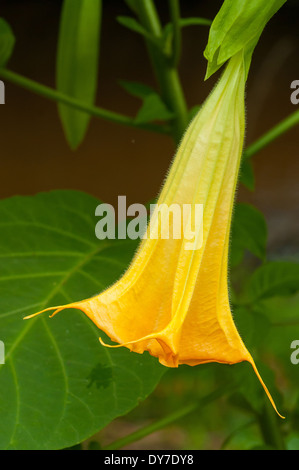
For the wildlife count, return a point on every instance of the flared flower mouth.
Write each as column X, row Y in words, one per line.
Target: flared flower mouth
column 173, row 301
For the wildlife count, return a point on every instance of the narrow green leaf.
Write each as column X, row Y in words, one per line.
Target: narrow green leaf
column 132, row 24
column 276, row 278
column 132, row 4
column 135, row 26
column 58, row 385
column 183, row 22
column 7, row 42
column 153, row 109
column 249, row 232
column 140, row 90
column 77, row 62
column 194, row 22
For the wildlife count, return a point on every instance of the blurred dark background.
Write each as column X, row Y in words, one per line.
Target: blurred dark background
column 115, row 160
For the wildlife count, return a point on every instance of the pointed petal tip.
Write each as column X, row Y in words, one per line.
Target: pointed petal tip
column 167, row 357
column 251, row 361
column 111, row 346
column 39, row 313
column 56, row 309
column 134, row 345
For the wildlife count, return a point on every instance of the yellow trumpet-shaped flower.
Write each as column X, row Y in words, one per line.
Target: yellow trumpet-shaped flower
column 174, row 302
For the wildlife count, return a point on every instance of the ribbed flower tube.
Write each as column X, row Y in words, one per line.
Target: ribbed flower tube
column 174, row 301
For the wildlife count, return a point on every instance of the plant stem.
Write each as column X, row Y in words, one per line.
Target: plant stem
column 171, row 418
column 54, row 95
column 166, row 73
column 151, row 428
column 174, row 8
column 270, row 429
column 272, row 135
column 235, row 432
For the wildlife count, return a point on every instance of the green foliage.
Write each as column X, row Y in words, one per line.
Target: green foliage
column 140, row 90
column 237, row 26
column 153, row 108
column 168, row 31
column 276, row 278
column 132, row 4
column 249, row 232
column 249, row 395
column 7, row 42
column 135, row 26
column 59, row 385
column 165, row 41
column 77, row 62
column 247, row 174
column 183, row 22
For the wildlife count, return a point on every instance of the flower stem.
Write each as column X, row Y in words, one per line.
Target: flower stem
column 165, row 71
column 174, row 8
column 171, row 418
column 272, row 135
column 151, row 428
column 57, row 96
column 270, row 429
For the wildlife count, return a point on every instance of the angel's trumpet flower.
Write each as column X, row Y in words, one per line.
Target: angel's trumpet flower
column 173, row 302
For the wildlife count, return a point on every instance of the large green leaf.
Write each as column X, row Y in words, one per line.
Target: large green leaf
column 77, row 62
column 58, row 385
